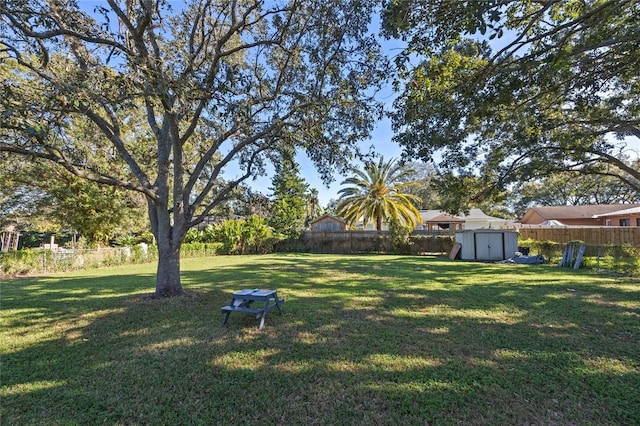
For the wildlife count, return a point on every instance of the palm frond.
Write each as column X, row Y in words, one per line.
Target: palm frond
column 377, row 194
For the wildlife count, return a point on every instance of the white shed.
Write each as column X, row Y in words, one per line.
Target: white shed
column 487, row 244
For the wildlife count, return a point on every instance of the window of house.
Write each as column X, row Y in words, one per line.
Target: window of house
column 625, row 222
column 608, row 223
column 638, row 221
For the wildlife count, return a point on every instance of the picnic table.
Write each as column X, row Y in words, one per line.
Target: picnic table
column 242, row 301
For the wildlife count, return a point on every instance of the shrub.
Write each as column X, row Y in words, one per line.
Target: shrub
column 243, row 236
column 623, row 259
column 194, row 236
column 400, row 236
column 551, row 250
column 256, row 236
column 18, row 262
column 626, row 259
column 200, row 249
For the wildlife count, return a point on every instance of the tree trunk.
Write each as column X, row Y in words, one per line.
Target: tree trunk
column 168, row 282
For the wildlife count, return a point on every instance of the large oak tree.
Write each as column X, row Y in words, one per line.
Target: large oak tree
column 218, row 84
column 507, row 91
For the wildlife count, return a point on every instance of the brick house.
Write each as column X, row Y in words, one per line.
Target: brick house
column 626, row 217
column 587, row 215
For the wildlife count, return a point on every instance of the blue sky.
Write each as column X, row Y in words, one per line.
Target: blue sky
column 380, row 139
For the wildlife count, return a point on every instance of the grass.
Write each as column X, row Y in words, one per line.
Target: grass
column 364, row 340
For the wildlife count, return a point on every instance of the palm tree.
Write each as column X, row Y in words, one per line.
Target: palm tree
column 377, row 194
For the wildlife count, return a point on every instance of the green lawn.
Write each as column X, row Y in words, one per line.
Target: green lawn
column 364, row 340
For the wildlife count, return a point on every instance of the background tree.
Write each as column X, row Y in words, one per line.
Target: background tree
column 217, row 83
column 20, row 203
column 312, row 208
column 423, row 177
column 378, row 194
column 41, row 197
column 249, row 202
column 557, row 83
column 290, row 196
column 332, row 206
column 459, row 192
column 96, row 212
column 442, row 191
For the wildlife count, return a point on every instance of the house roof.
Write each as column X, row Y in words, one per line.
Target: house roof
column 445, row 218
column 479, row 214
column 442, row 217
column 328, row 216
column 552, row 222
column 574, row 212
column 633, row 210
column 427, row 215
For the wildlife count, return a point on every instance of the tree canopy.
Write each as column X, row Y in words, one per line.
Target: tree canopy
column 43, row 197
column 379, row 193
column 513, row 90
column 570, row 189
column 38, row 195
column 219, row 85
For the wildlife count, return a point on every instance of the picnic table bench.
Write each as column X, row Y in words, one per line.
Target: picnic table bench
column 241, row 301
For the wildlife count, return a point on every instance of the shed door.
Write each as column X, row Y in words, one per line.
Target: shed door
column 489, row 246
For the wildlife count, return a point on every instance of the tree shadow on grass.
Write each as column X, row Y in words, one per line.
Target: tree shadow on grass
column 365, row 339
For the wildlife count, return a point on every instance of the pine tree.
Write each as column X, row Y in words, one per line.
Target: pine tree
column 290, row 196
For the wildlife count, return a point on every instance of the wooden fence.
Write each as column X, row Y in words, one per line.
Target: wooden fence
column 345, row 242
column 600, row 235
